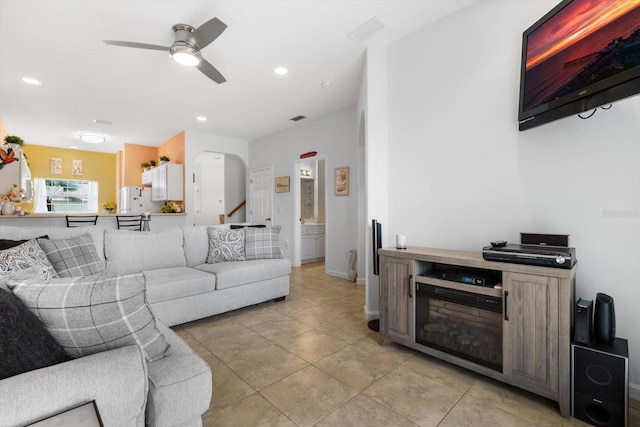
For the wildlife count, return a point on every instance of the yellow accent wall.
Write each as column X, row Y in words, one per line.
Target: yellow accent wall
column 100, row 167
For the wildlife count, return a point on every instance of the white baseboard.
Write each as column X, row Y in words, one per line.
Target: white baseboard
column 342, row 275
column 634, row 391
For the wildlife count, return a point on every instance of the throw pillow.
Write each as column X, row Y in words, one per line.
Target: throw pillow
column 33, row 272
column 25, row 344
column 73, row 257
column 262, row 243
column 225, row 245
column 6, row 244
column 91, row 314
column 24, row 256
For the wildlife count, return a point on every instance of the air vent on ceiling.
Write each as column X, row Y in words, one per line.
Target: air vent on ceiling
column 366, row 30
column 102, row 121
column 297, row 118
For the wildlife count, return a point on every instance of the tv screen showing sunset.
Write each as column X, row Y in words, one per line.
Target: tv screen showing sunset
column 586, row 42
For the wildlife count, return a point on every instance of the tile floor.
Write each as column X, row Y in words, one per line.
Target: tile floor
column 312, row 361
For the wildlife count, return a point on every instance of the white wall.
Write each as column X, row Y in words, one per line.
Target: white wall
column 209, row 184
column 461, row 174
column 235, row 187
column 197, row 143
column 332, row 136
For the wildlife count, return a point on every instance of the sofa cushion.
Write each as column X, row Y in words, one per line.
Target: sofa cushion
column 238, row 273
column 179, row 385
column 25, row 344
column 196, row 244
column 176, row 282
column 24, row 256
column 132, row 252
column 90, row 314
column 225, row 245
column 16, row 233
column 262, row 243
column 73, row 257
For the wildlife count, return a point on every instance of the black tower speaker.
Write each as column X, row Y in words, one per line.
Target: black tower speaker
column 604, row 319
column 583, row 332
column 600, row 383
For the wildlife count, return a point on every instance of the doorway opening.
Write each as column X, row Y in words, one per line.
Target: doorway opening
column 310, row 211
column 219, row 189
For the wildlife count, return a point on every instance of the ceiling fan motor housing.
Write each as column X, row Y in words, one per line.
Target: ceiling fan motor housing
column 185, row 41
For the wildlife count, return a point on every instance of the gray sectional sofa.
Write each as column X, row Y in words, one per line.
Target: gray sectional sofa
column 180, row 287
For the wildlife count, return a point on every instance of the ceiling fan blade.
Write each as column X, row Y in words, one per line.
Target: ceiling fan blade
column 136, row 45
column 210, row 71
column 208, row 32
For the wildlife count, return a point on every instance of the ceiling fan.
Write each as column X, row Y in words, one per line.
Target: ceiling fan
column 186, row 48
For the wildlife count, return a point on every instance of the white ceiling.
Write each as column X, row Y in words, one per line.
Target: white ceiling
column 150, row 98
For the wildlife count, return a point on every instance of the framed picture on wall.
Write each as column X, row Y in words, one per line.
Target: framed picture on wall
column 76, row 167
column 282, row 184
column 56, row 166
column 341, row 181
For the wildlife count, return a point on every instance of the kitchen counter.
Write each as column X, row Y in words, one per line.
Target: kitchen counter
column 159, row 221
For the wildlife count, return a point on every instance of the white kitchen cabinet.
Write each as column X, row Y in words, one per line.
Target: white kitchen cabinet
column 147, row 177
column 167, row 182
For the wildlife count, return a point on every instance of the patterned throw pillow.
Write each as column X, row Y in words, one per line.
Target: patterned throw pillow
column 73, row 257
column 25, row 344
column 262, row 243
column 24, row 256
column 225, row 245
column 91, row 314
column 6, row 244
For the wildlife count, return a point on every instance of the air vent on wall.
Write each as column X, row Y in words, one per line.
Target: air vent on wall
column 297, row 118
column 366, row 30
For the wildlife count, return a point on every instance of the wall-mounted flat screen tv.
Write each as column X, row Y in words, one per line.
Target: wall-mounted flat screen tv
column 581, row 55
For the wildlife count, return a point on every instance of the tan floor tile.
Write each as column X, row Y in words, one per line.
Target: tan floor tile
column 255, row 317
column 318, row 315
column 230, row 347
column 216, row 327
column 290, row 306
column 371, row 343
column 448, row 374
column 416, row 396
column 574, row 422
column 346, row 330
column 356, row 367
column 313, row 345
column 266, row 366
column 254, row 411
column 473, row 412
column 228, row 388
column 362, row 411
column 308, row 395
column 317, row 297
column 281, row 329
column 518, row 402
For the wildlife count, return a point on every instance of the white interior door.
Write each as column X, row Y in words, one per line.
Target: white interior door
column 261, row 188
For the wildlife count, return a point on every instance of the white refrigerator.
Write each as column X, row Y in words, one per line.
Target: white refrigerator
column 135, row 200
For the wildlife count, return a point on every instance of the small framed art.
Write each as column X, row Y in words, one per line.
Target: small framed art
column 341, row 181
column 282, row 184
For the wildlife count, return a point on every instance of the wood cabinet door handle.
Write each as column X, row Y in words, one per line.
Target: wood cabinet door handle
column 410, row 282
column 506, row 312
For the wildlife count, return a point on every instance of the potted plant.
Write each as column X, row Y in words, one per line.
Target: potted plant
column 152, row 163
column 108, row 206
column 145, row 165
column 12, row 139
column 164, row 159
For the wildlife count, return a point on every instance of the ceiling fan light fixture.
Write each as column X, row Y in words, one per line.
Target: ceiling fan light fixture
column 92, row 138
column 185, row 55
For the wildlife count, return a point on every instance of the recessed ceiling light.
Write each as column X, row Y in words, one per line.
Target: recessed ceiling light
column 31, row 81
column 75, row 147
column 201, row 118
column 92, row 138
column 281, row 71
column 326, row 84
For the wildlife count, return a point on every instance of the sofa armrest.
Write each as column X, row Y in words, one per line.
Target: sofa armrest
column 115, row 379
